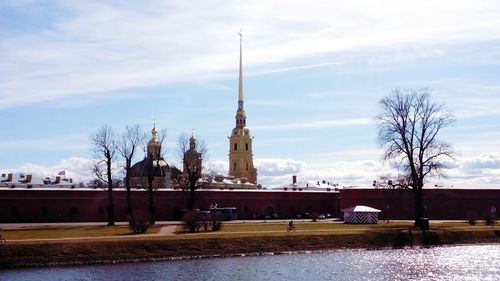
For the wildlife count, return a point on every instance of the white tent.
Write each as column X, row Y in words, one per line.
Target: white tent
column 360, row 214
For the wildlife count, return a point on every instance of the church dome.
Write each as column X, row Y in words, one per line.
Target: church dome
column 140, row 169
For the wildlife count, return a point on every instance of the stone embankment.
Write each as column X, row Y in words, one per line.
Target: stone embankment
column 106, row 251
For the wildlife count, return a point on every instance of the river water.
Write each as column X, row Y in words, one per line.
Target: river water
column 470, row 262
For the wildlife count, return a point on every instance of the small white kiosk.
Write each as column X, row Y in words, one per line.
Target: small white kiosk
column 361, row 214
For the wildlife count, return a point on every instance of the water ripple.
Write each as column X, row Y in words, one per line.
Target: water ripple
column 471, row 262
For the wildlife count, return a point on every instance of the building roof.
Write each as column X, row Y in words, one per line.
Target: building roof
column 361, row 209
column 140, row 169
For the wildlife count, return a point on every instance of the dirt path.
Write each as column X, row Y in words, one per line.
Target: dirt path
column 167, row 230
column 164, row 231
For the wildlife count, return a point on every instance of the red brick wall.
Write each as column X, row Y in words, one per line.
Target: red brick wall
column 90, row 205
column 24, row 205
column 440, row 203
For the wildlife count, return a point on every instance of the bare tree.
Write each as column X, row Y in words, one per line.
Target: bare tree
column 104, row 149
column 408, row 127
column 191, row 154
column 153, row 168
column 129, row 142
column 390, row 181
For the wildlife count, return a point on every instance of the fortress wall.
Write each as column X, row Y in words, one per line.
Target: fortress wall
column 28, row 205
column 440, row 203
column 73, row 205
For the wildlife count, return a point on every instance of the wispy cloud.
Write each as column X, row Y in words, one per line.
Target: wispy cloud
column 317, row 124
column 97, row 47
column 270, row 70
column 59, row 143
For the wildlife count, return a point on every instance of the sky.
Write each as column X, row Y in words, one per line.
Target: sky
column 314, row 73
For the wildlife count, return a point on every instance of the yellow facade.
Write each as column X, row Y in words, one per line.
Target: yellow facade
column 241, row 156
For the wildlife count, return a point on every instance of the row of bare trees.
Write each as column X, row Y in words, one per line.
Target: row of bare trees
column 108, row 146
column 408, row 127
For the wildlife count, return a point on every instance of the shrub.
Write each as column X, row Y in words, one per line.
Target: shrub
column 215, row 221
column 192, row 220
column 472, row 218
column 138, row 222
column 314, row 216
column 139, row 226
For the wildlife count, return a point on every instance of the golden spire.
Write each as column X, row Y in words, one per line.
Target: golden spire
column 240, row 88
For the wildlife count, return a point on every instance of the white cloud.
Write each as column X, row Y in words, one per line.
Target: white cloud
column 481, row 171
column 279, row 172
column 77, row 168
column 97, row 47
column 218, row 166
column 276, row 167
column 476, row 171
column 318, row 124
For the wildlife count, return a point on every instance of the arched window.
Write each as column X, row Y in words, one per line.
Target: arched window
column 247, row 166
column 235, row 146
column 234, row 166
column 246, row 146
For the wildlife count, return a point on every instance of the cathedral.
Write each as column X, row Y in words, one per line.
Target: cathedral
column 242, row 174
column 153, row 166
column 240, row 141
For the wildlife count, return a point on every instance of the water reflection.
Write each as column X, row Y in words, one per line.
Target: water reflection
column 439, row 263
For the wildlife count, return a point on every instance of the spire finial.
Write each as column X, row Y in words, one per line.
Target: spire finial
column 154, row 132
column 240, row 86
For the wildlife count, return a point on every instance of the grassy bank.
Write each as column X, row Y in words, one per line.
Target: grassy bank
column 236, row 239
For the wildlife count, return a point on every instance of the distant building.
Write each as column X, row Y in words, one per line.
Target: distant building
column 240, row 141
column 153, row 166
column 192, row 159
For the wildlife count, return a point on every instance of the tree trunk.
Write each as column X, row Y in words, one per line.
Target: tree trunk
column 129, row 202
column 111, row 207
column 191, row 196
column 151, row 205
column 418, row 204
column 129, row 195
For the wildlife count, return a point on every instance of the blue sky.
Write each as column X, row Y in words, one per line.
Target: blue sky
column 313, row 76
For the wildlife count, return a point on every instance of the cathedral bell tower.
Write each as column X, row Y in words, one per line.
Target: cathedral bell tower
column 240, row 141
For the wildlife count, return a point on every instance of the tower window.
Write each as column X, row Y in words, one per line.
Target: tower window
column 247, row 166
column 235, row 146
column 246, row 146
column 234, row 166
